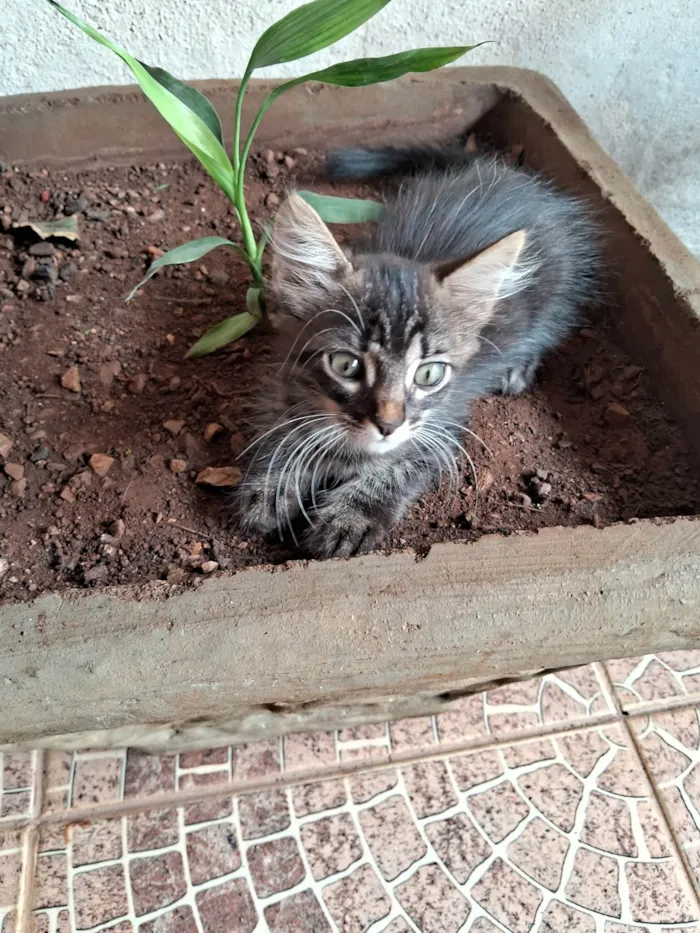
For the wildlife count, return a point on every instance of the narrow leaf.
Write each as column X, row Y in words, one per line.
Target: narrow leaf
column 223, row 333
column 253, row 299
column 364, row 71
column 343, row 210
column 309, row 28
column 188, row 252
column 187, row 111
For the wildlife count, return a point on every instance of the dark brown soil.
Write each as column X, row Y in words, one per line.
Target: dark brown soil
column 559, row 456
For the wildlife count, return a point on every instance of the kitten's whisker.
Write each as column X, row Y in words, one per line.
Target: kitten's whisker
column 287, row 470
column 277, row 427
column 452, row 440
column 301, row 463
column 450, row 460
column 320, row 456
column 310, row 340
column 355, row 306
column 469, row 431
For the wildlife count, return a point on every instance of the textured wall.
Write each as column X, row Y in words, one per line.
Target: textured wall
column 630, row 67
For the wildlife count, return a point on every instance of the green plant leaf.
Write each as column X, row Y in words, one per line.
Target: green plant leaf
column 223, row 333
column 253, row 301
column 188, row 252
column 309, row 28
column 343, row 210
column 187, row 111
column 364, row 71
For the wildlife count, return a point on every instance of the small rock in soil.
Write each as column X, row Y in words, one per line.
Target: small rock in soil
column 155, row 252
column 238, row 443
column 29, row 268
column 45, row 272
column 218, row 277
column 100, row 464
column 211, row 430
column 4, row 566
column 107, row 372
column 6, row 445
column 75, row 206
column 272, row 200
column 209, row 566
column 18, row 488
column 42, row 249
column 67, row 271
column 173, row 427
column 178, row 466
column 219, row 476
column 138, row 384
column 176, row 575
column 485, row 482
column 71, row 379
column 94, row 213
column 67, row 495
column 156, row 216
column 289, row 162
column 616, row 413
column 14, row 470
column 43, row 453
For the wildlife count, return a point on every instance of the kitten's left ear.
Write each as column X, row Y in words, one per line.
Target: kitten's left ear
column 481, row 282
column 306, row 258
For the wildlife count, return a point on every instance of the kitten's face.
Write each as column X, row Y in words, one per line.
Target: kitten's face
column 376, row 359
column 376, row 344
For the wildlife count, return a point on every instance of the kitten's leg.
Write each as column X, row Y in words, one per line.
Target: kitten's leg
column 270, row 495
column 359, row 514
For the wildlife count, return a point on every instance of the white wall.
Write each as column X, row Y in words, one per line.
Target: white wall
column 630, row 67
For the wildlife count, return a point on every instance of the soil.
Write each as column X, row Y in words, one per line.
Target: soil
column 109, row 425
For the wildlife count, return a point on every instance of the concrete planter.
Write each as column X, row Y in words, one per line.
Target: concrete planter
column 317, row 645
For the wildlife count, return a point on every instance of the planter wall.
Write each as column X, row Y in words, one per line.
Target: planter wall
column 318, row 645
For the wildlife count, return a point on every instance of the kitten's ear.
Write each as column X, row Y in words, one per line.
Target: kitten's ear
column 480, row 282
column 306, row 258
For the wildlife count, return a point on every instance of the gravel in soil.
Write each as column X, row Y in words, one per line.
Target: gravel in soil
column 105, row 428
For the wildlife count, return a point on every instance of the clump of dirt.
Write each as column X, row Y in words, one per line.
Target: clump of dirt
column 105, row 427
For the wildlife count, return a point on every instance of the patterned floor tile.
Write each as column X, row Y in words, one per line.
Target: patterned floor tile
column 10, row 871
column 16, row 782
column 656, row 678
column 551, row 835
column 670, row 745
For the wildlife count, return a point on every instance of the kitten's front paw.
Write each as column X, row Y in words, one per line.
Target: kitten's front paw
column 342, row 534
column 256, row 510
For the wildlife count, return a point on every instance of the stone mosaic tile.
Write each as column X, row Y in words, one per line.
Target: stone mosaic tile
column 16, row 781
column 669, row 742
column 548, row 835
column 658, row 679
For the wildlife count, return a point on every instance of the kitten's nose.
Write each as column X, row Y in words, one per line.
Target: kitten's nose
column 390, row 416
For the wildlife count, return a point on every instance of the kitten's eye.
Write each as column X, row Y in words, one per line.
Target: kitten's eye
column 429, row 375
column 345, row 365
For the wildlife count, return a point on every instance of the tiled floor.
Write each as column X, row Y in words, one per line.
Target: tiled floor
column 566, row 804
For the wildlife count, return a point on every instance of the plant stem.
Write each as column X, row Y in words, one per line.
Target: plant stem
column 237, row 118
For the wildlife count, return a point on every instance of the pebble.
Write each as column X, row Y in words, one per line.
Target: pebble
column 542, row 474
column 107, row 372
column 238, row 443
column 155, row 252
column 525, row 500
column 4, row 566
column 75, row 206
column 175, row 575
column 42, row 249
column 486, row 481
column 6, row 445
column 156, row 216
column 138, row 384
column 616, row 413
column 289, row 162
column 94, row 213
column 67, row 271
column 173, row 427
column 42, row 454
column 218, row 277
column 300, row 151
column 45, row 272
column 209, row 566
column 219, row 476
column 117, row 529
column 29, row 268
column 67, row 495
column 18, row 488
column 100, row 464
column 178, row 466
column 71, row 379
column 211, row 430
column 272, row 200
column 14, row 470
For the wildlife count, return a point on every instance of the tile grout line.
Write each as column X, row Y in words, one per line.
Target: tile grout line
column 339, row 770
column 679, row 856
column 30, row 848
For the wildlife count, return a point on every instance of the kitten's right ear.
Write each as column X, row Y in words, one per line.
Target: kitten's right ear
column 307, row 260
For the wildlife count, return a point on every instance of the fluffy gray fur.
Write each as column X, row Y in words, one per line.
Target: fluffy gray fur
column 475, row 271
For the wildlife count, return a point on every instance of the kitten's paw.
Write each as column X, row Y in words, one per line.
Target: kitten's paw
column 518, row 379
column 256, row 511
column 334, row 535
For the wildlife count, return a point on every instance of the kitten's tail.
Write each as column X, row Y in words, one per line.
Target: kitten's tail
column 342, row 164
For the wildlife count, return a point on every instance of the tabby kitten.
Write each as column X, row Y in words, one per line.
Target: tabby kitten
column 475, row 270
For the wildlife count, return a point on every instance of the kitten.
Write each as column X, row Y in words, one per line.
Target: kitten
column 475, row 270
